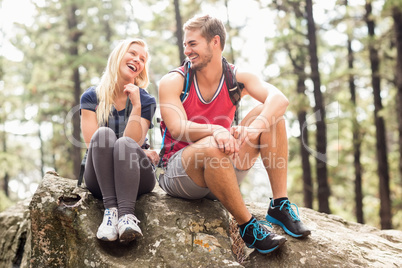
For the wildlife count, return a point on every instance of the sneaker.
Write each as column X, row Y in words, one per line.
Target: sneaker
column 256, row 235
column 107, row 231
column 128, row 228
column 285, row 217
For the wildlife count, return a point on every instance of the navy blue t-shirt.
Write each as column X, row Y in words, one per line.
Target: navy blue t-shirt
column 89, row 101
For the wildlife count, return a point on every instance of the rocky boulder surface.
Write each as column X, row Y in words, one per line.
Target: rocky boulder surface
column 58, row 229
column 15, row 236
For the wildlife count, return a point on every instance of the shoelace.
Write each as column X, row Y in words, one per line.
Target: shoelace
column 288, row 206
column 126, row 218
column 257, row 230
column 110, row 215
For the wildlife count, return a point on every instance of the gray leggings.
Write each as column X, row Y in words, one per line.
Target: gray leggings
column 117, row 171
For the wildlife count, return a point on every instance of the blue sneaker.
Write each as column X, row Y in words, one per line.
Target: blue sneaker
column 284, row 216
column 256, row 235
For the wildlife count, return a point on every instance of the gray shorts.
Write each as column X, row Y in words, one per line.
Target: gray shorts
column 175, row 181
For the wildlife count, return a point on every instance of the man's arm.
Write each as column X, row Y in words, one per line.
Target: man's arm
column 173, row 112
column 273, row 100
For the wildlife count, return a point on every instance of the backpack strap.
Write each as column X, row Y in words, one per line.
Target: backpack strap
column 82, row 169
column 127, row 111
column 233, row 86
column 188, row 74
column 188, row 80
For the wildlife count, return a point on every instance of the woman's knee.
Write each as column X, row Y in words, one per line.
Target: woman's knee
column 104, row 137
column 126, row 142
column 104, row 131
column 126, row 146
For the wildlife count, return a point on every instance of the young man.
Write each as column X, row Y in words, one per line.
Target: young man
column 209, row 158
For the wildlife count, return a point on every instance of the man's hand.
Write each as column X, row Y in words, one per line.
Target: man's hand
column 240, row 133
column 259, row 125
column 254, row 133
column 226, row 142
column 244, row 134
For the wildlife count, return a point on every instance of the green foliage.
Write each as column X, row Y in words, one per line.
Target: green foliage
column 5, row 202
column 47, row 49
column 390, row 5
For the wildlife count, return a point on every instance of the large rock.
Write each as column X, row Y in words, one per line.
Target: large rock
column 177, row 233
column 15, row 236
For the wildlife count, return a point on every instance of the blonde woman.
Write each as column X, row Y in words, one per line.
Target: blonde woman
column 115, row 118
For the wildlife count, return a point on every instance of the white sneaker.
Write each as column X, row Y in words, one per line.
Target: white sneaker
column 128, row 228
column 107, row 231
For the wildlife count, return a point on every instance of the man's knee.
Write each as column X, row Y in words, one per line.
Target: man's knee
column 252, row 115
column 207, row 146
column 203, row 152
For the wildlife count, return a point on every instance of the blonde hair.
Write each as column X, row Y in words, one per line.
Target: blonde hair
column 208, row 26
column 106, row 91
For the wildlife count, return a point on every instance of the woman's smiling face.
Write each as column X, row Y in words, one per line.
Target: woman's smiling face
column 133, row 62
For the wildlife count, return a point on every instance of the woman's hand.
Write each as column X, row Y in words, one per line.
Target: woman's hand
column 153, row 156
column 133, row 92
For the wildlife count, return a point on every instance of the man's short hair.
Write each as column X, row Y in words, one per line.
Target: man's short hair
column 208, row 26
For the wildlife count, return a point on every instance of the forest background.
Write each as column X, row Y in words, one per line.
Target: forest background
column 339, row 62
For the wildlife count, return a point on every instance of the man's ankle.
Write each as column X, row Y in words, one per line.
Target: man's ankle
column 277, row 201
column 242, row 226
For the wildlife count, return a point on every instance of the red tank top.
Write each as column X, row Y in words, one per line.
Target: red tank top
column 218, row 111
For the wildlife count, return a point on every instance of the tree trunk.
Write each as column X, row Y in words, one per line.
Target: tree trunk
column 305, row 154
column 307, row 180
column 74, row 36
column 5, row 185
column 319, row 110
column 42, row 154
column 356, row 139
column 6, row 176
column 231, row 53
column 397, row 15
column 385, row 206
column 179, row 30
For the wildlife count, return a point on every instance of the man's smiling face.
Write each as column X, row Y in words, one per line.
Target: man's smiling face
column 197, row 49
